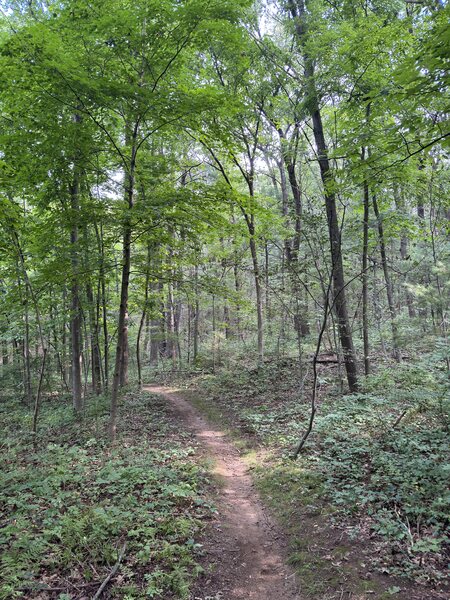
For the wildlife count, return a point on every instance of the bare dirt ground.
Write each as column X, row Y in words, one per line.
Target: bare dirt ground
column 244, row 545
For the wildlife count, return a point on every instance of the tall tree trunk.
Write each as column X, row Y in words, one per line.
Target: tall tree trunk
column 190, row 312
column 16, row 354
column 237, row 289
column 443, row 301
column 292, row 249
column 138, row 342
column 122, row 330
column 289, row 162
column 154, row 327
column 64, row 344
column 365, row 275
column 146, row 340
column 54, row 320
column 400, row 207
column 5, row 353
column 26, row 353
column 104, row 309
column 213, row 349
column 387, row 279
column 123, row 378
column 94, row 341
column 297, row 9
column 75, row 325
column 93, row 323
column 177, row 318
column 195, row 333
column 25, row 344
column 143, row 320
column 258, row 291
column 170, row 327
column 250, row 220
column 162, row 324
column 75, row 317
column 154, row 321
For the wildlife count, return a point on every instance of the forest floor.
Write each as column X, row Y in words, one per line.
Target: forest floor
column 77, row 514
column 245, row 551
column 199, row 497
column 278, row 510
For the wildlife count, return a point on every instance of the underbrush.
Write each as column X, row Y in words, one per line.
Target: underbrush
column 70, row 505
column 378, row 459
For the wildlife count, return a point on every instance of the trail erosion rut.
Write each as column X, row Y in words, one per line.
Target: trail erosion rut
column 245, row 546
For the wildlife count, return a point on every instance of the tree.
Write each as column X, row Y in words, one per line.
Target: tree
column 298, row 12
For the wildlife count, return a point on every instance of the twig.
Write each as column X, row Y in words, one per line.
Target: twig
column 314, row 363
column 111, row 573
column 397, row 421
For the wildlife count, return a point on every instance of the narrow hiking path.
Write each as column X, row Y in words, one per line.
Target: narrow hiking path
column 246, row 548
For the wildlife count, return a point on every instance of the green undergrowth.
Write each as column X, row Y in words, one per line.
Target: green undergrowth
column 70, row 504
column 376, row 463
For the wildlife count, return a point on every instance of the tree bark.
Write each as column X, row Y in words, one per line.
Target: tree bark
column 122, row 330
column 142, row 321
column 104, row 310
column 387, row 279
column 365, row 297
column 123, row 379
column 5, row 353
column 170, row 326
column 75, row 317
column 195, row 333
column 154, row 331
column 258, row 291
column 95, row 347
column 25, row 346
column 250, row 220
column 297, row 9
column 400, row 207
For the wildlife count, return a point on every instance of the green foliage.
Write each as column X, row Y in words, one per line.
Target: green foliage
column 68, row 506
column 187, row 125
column 380, row 457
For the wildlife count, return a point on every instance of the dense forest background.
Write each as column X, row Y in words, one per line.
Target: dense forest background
column 251, row 198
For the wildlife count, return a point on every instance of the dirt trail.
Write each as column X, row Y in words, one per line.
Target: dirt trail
column 245, row 545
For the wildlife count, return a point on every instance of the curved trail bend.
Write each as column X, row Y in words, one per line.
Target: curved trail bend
column 247, row 554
